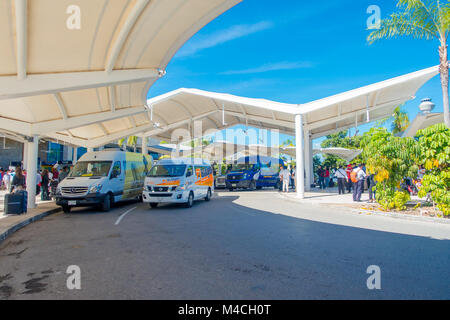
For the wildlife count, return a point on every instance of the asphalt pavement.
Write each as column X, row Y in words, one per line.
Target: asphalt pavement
column 241, row 245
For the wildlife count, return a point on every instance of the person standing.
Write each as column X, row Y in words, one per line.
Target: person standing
column 321, row 174
column 63, row 174
column 341, row 176
column 285, row 177
column 45, row 180
column 349, row 180
column 7, row 180
column 18, row 182
column 359, row 176
column 38, row 183
column 293, row 177
column 326, row 176
column 371, row 186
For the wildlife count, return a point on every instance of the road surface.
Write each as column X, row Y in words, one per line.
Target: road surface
column 243, row 245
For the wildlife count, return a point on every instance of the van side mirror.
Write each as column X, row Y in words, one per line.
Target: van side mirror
column 114, row 174
column 188, row 174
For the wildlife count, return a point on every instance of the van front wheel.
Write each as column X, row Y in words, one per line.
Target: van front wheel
column 66, row 209
column 153, row 204
column 106, row 205
column 208, row 195
column 190, row 201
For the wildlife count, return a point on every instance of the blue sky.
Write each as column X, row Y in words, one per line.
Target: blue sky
column 297, row 51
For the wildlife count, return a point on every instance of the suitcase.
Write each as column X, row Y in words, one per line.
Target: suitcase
column 16, row 203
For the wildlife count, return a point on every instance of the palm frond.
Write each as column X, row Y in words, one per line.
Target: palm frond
column 403, row 24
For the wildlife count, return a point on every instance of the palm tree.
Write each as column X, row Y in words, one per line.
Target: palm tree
column 130, row 141
column 421, row 19
column 400, row 121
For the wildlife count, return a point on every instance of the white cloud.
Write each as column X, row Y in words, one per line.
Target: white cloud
column 284, row 65
column 222, row 36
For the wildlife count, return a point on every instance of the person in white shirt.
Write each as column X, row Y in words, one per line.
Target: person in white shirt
column 7, row 180
column 358, row 188
column 341, row 176
column 285, row 177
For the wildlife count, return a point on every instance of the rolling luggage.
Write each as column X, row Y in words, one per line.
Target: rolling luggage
column 16, row 203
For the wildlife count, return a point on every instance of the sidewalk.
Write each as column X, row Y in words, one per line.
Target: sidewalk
column 330, row 197
column 11, row 223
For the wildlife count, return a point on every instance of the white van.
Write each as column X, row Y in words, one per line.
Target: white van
column 178, row 181
column 102, row 178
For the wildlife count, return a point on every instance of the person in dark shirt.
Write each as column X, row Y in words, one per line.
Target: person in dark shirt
column 44, row 185
column 18, row 182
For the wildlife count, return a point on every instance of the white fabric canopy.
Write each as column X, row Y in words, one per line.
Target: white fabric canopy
column 423, row 121
column 83, row 79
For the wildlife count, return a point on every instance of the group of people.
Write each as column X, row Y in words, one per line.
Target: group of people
column 350, row 178
column 46, row 181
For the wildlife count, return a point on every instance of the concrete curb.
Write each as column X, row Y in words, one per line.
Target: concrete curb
column 26, row 222
column 390, row 214
column 403, row 216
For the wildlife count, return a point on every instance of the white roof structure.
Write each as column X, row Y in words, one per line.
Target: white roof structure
column 369, row 103
column 81, row 72
column 178, row 108
column 346, row 154
column 422, row 121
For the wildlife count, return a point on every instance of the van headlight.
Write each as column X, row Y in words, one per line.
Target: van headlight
column 58, row 190
column 180, row 188
column 95, row 188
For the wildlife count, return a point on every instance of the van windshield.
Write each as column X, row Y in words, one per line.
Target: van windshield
column 91, row 169
column 167, row 170
column 242, row 167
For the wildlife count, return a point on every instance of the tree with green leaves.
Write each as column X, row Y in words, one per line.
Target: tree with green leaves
column 391, row 159
column 339, row 140
column 434, row 145
column 421, row 19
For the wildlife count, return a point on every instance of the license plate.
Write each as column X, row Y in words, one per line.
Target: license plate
column 234, row 185
column 72, row 203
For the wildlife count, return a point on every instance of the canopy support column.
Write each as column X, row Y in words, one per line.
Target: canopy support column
column 32, row 160
column 25, row 156
column 300, row 146
column 144, row 143
column 308, row 161
column 75, row 155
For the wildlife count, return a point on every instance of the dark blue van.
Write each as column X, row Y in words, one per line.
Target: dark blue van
column 254, row 172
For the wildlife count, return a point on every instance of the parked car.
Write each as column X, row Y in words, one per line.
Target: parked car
column 178, row 181
column 102, row 178
column 220, row 182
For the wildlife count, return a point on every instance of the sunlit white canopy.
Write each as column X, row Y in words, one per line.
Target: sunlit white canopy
column 179, row 108
column 423, row 121
column 346, row 154
column 80, row 70
column 369, row 103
